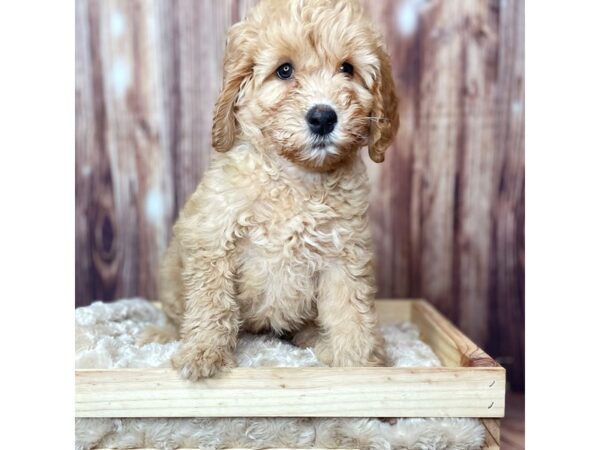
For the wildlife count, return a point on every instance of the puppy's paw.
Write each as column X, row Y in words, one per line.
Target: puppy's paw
column 195, row 363
column 349, row 356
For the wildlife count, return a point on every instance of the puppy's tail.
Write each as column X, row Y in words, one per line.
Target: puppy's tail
column 158, row 334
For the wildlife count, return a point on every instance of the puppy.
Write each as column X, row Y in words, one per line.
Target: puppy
column 276, row 238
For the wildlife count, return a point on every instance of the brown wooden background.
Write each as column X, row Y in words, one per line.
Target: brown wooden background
column 448, row 203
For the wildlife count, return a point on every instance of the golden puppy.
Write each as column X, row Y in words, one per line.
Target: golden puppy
column 276, row 235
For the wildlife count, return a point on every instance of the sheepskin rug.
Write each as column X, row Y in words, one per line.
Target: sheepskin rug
column 105, row 337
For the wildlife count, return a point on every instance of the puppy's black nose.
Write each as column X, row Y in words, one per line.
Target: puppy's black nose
column 321, row 119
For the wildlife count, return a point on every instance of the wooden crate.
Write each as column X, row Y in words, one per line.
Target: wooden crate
column 471, row 384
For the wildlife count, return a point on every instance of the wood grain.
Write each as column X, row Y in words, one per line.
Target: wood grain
column 485, row 447
column 394, row 310
column 446, row 228
column 293, row 392
column 452, row 347
column 506, row 318
column 465, row 387
column 447, row 205
column 492, row 433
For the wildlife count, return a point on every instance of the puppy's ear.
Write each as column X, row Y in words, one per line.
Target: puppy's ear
column 384, row 122
column 237, row 67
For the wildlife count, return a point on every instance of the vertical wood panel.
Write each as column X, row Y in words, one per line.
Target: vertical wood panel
column 391, row 196
column 134, row 90
column 507, row 266
column 85, row 135
column 447, row 205
column 477, row 166
column 439, row 117
column 198, row 46
column 97, row 268
column 148, row 73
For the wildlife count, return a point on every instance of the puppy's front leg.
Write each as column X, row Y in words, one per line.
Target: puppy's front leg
column 346, row 314
column 211, row 320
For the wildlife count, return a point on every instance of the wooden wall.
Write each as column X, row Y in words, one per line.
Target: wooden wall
column 447, row 205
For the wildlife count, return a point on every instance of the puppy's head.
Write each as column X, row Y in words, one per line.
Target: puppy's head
column 311, row 80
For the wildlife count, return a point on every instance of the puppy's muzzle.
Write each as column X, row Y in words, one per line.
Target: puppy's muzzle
column 321, row 119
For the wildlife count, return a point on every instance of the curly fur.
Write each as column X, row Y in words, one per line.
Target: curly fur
column 106, row 336
column 276, row 235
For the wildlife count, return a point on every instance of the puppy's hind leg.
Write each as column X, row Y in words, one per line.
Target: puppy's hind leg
column 170, row 293
column 307, row 336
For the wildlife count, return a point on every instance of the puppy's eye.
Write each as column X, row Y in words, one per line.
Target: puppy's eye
column 285, row 71
column 347, row 68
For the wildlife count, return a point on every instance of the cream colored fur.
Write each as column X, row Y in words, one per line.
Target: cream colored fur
column 106, row 336
column 276, row 235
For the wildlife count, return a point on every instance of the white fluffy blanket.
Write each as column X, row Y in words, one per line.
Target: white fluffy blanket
column 105, row 336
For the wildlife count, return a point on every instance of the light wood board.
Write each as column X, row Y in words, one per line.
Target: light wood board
column 291, row 392
column 471, row 384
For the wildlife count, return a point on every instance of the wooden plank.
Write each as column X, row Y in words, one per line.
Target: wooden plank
column 439, row 91
column 135, row 141
column 194, row 40
column 96, row 266
column 293, row 392
column 85, row 151
column 492, row 433
column 393, row 311
column 477, row 166
column 390, row 203
column 452, row 347
column 507, row 264
column 486, row 447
